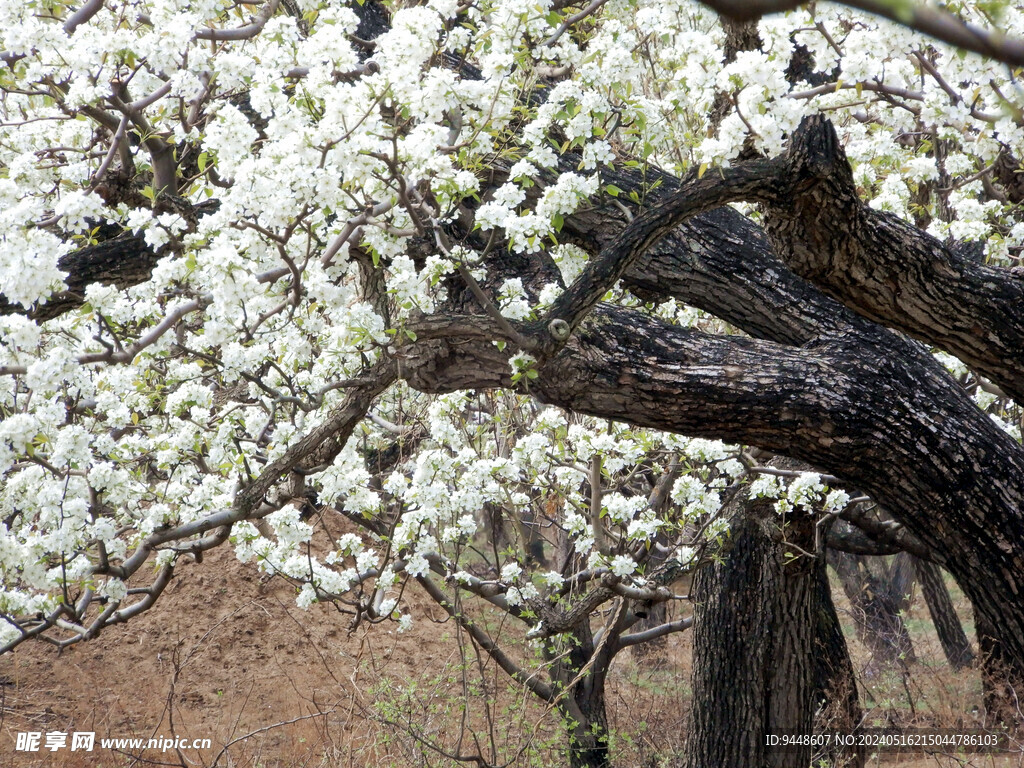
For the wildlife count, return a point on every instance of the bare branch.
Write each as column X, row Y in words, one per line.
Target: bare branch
column 747, row 181
column 242, row 33
column 655, row 632
column 590, row 10
column 481, row 638
column 89, row 9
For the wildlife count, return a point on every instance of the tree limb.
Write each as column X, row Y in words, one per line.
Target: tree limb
column 925, row 18
column 888, row 270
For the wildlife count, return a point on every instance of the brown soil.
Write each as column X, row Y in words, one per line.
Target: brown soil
column 227, row 655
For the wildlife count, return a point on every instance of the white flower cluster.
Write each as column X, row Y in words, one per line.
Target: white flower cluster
column 805, row 491
column 319, row 176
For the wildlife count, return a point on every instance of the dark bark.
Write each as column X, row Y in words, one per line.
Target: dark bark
column 768, row 649
column 848, row 538
column 999, row 682
column 123, row 261
column 891, row 272
column 1008, row 173
column 731, row 651
column 865, row 404
column 878, row 265
column 835, row 682
column 879, row 526
column 745, row 181
column 792, row 681
column 718, row 261
column 865, row 407
column 952, row 637
column 933, row 21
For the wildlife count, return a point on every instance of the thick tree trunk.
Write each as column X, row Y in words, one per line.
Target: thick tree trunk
column 650, row 651
column 900, row 581
column 586, row 724
column 767, row 646
column 733, row 622
column 947, row 624
column 865, row 406
column 1001, row 690
column 791, row 703
column 720, row 262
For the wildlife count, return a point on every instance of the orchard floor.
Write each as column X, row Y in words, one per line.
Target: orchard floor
column 227, row 655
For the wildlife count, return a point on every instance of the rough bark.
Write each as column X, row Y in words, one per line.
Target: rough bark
column 878, row 525
column 952, row 637
column 845, row 537
column 768, row 650
column 731, row 650
column 791, row 701
column 876, row 264
column 123, row 261
column 891, row 272
column 865, row 407
column 933, row 428
column 1000, row 684
column 835, row 682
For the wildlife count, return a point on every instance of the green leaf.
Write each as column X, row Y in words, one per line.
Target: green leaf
column 612, row 190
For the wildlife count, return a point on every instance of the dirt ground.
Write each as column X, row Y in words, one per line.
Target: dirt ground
column 226, row 655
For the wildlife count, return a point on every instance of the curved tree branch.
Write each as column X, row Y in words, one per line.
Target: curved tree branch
column 864, row 407
column 888, row 270
column 925, row 18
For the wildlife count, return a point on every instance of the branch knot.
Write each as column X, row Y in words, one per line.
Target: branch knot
column 559, row 330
